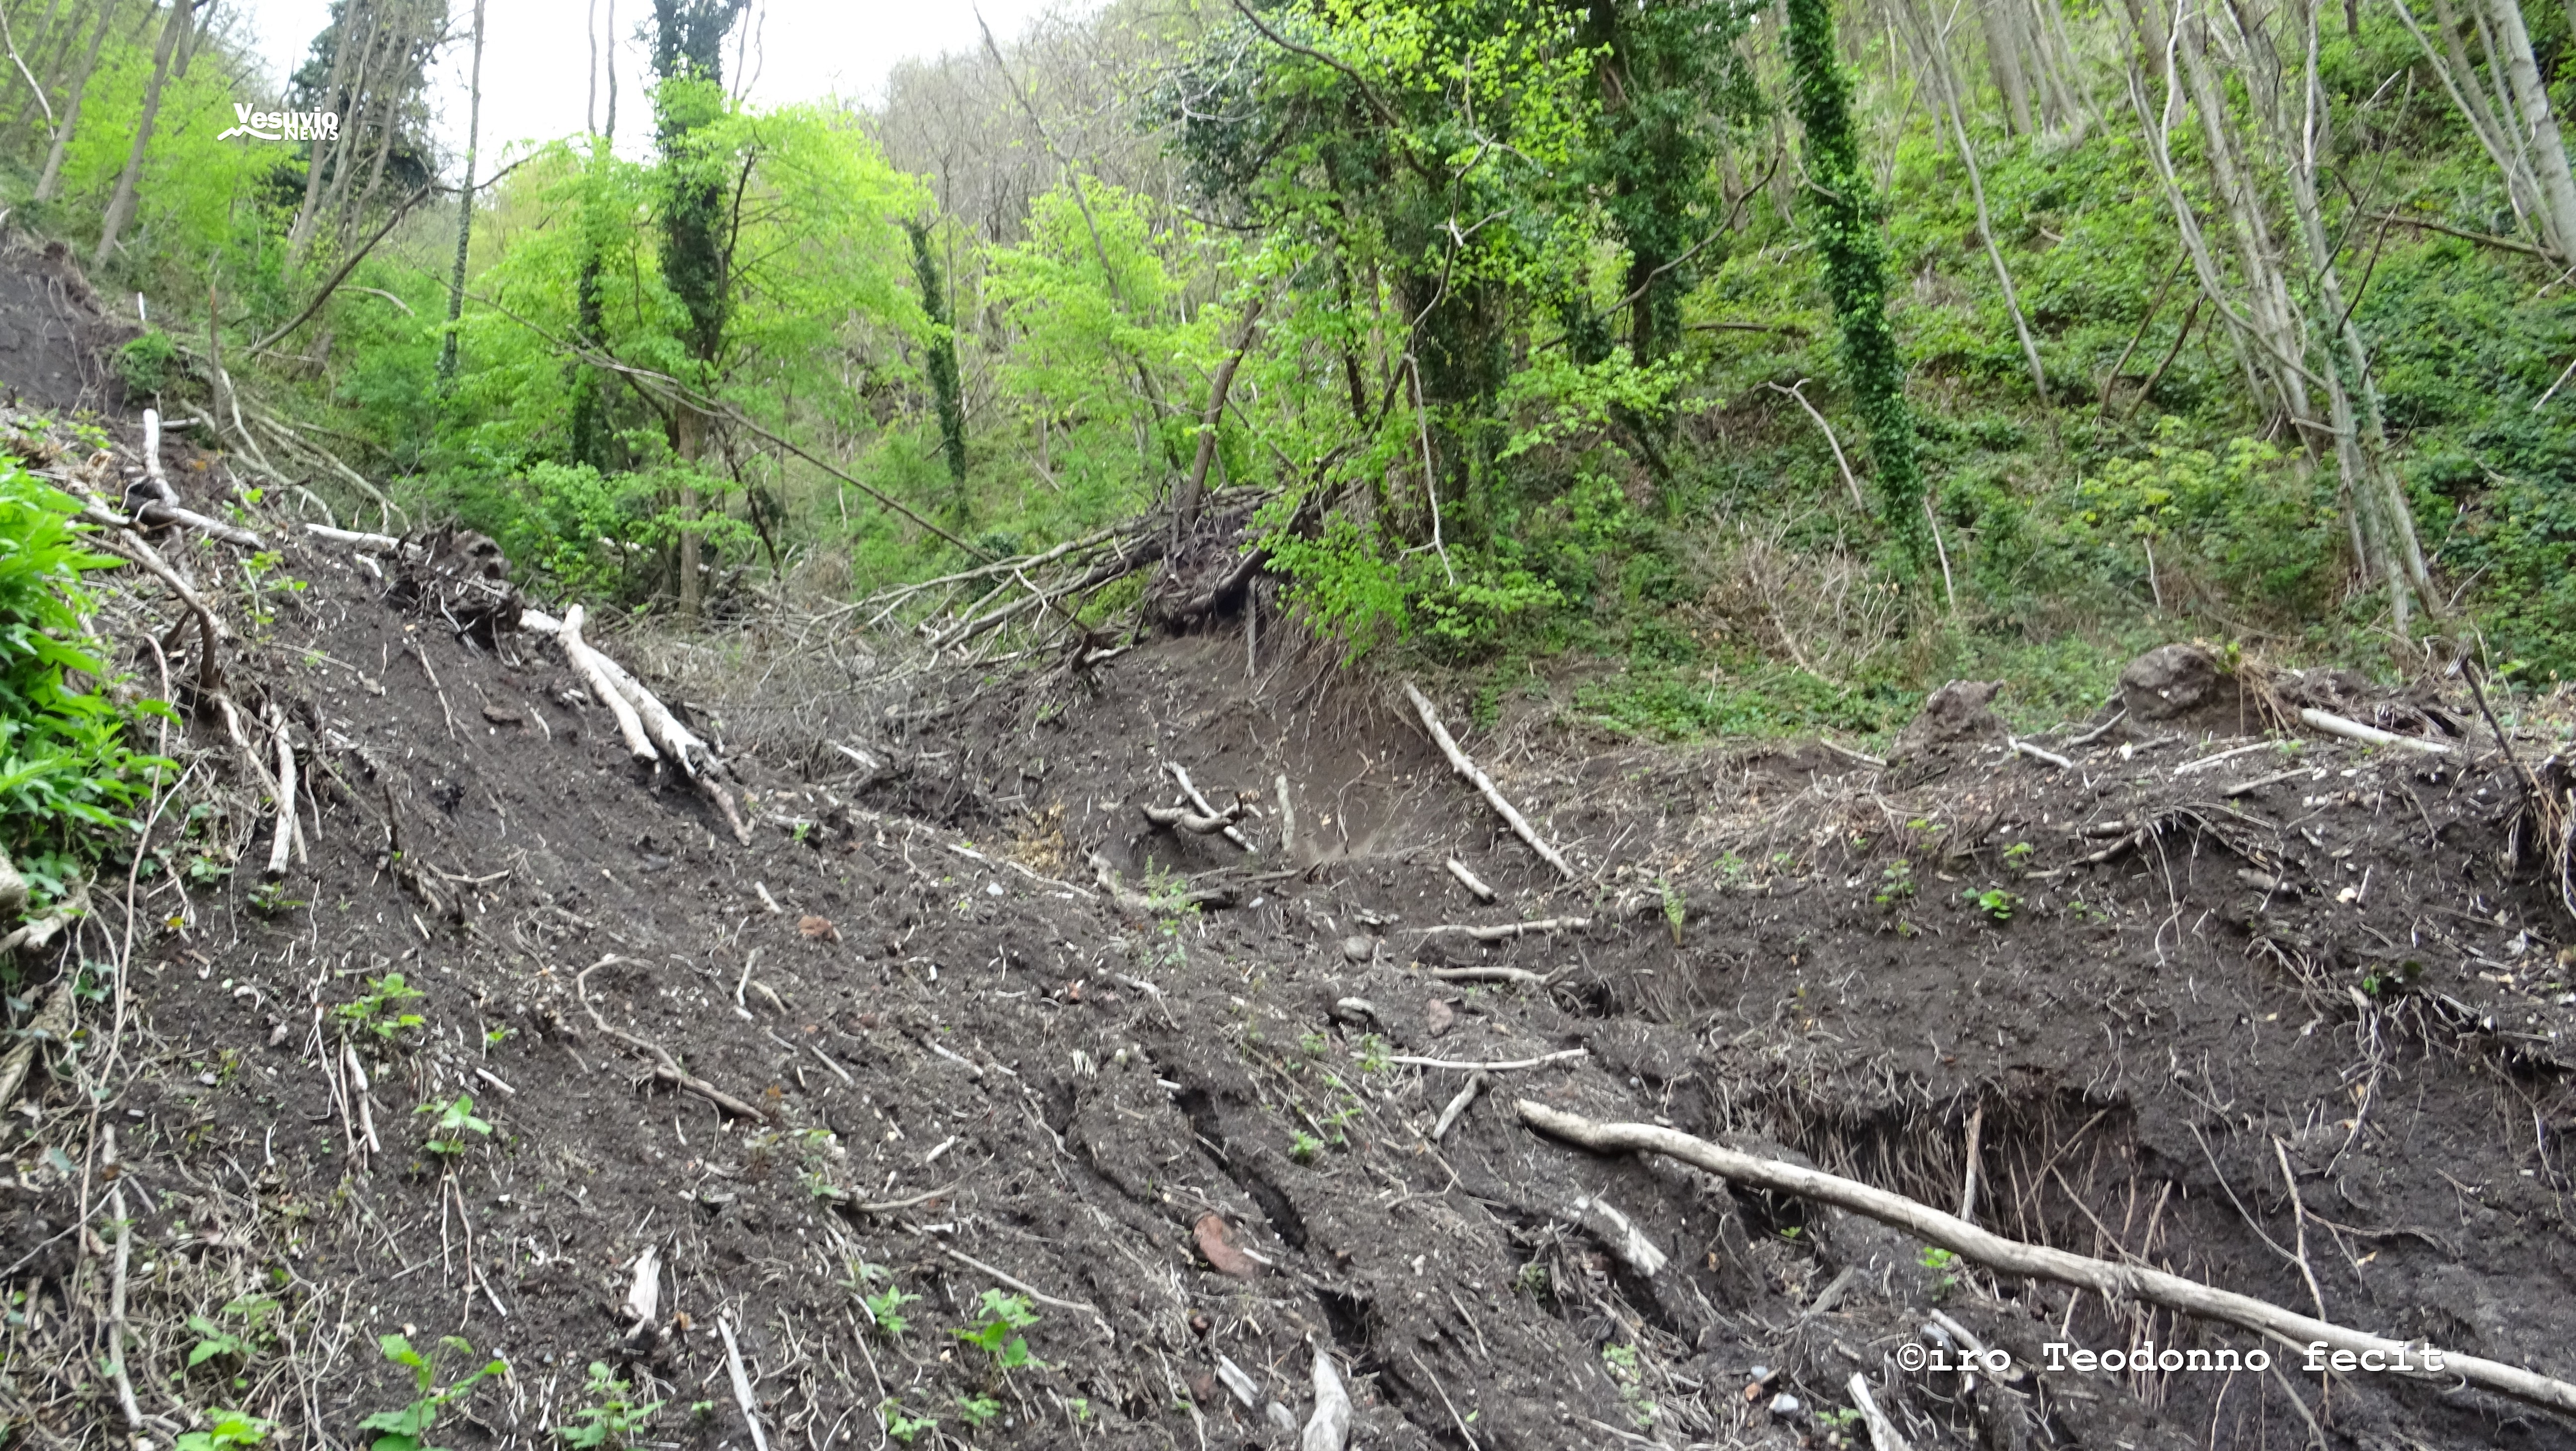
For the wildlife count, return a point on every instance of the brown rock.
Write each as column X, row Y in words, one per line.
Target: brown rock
column 818, row 929
column 1437, row 1015
column 1215, row 1238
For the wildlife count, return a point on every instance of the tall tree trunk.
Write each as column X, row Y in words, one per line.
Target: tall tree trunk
column 22, row 71
column 2539, row 131
column 53, row 175
column 2384, row 520
column 2003, row 57
column 120, row 207
column 942, row 363
column 464, row 209
column 1845, row 223
column 2494, row 129
column 1945, row 77
column 300, row 233
column 2281, row 341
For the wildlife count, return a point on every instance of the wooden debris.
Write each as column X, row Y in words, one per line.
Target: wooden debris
column 2353, row 730
column 1329, row 1428
column 1459, row 1105
column 1506, row 931
column 1503, row 1067
column 742, row 1396
column 665, row 1067
column 1178, row 818
column 1619, row 1234
column 1882, row 1431
column 1188, row 788
column 1470, row 880
column 2048, row 758
column 1484, row 784
column 2113, row 1282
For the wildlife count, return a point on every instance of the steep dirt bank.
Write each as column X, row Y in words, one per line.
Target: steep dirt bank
column 2294, row 1020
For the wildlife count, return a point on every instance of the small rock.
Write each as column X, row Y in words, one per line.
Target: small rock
column 1358, row 949
column 818, row 929
column 1215, row 1239
column 499, row 715
column 1785, row 1405
column 1437, row 1015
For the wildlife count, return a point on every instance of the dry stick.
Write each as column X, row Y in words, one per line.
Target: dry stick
column 665, row 1067
column 362, row 542
column 1506, row 931
column 116, row 1330
column 1181, row 774
column 742, row 1395
column 50, row 1025
column 1882, row 1431
column 1499, row 974
column 1493, row 795
column 1850, row 481
column 1180, row 818
column 1287, row 819
column 1470, row 880
column 2351, row 730
column 1503, row 1067
column 280, row 844
column 126, row 546
column 2025, row 748
column 1032, row 1291
column 1968, row 1191
column 2103, row 1278
column 1449, row 1116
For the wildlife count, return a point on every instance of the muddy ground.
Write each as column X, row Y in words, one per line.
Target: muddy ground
column 2294, row 1021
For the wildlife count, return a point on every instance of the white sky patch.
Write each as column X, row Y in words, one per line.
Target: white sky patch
column 537, row 56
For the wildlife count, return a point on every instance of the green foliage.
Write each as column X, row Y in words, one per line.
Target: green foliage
column 1995, row 902
column 65, row 766
column 455, row 1119
column 148, row 363
column 237, row 1339
column 885, row 1306
column 1944, row 1266
column 903, row 1427
column 978, row 1411
column 997, row 1331
column 611, row 1420
column 378, row 1012
column 408, row 1429
column 228, row 1431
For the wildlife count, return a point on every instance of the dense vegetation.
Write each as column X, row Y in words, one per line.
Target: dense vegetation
column 1755, row 366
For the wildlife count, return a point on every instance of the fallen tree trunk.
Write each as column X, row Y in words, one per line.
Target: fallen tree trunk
column 2416, row 1359
column 1493, row 794
column 586, row 663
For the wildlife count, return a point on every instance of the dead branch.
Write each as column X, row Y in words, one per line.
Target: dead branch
column 1506, row 1066
column 284, row 840
column 1032, row 1291
column 361, row 542
column 2113, row 1282
column 586, row 663
column 665, row 1068
column 1191, row 790
column 1506, row 931
column 1470, row 880
column 1457, row 1106
column 1520, row 975
column 51, row 1023
column 742, row 1396
column 1493, row 795
column 2353, row 730
column 1177, row 818
column 2049, row 758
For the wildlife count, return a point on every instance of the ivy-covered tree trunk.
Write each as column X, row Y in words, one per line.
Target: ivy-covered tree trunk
column 688, row 54
column 1844, row 215
column 942, row 363
column 464, row 209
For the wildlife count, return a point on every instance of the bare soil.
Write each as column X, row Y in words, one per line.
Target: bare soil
column 2308, row 1040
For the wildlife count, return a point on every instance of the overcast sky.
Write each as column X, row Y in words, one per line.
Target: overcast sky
column 536, row 57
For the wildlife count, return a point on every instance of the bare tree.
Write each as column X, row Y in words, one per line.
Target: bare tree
column 120, row 207
column 52, row 178
column 464, row 208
